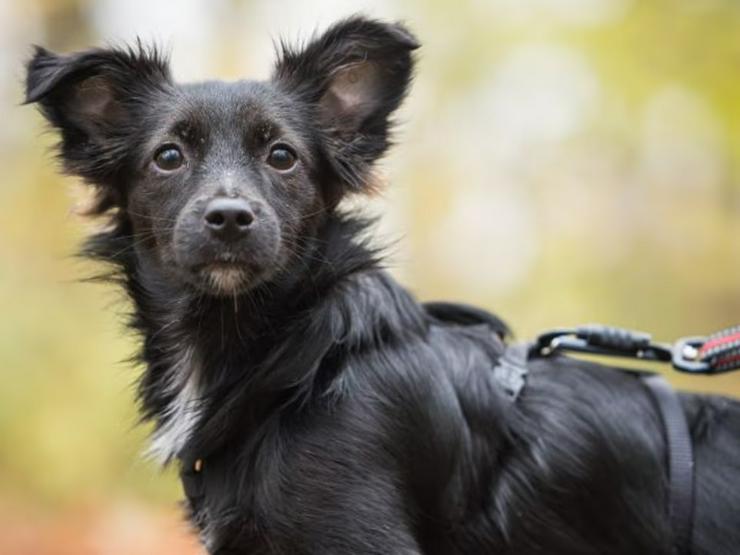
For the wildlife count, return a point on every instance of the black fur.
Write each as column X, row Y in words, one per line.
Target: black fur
column 330, row 411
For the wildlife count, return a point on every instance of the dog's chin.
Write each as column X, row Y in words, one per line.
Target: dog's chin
column 222, row 279
column 225, row 272
column 225, row 279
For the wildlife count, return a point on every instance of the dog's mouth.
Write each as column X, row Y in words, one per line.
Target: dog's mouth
column 228, row 274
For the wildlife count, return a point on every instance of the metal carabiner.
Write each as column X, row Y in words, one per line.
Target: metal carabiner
column 686, row 355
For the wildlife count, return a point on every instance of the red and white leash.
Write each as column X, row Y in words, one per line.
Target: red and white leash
column 719, row 352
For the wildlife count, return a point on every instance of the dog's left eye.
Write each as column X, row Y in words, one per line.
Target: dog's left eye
column 281, row 158
column 169, row 158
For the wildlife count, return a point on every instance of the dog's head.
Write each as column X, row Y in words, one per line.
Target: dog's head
column 221, row 183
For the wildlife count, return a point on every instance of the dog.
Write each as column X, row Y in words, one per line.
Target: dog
column 313, row 405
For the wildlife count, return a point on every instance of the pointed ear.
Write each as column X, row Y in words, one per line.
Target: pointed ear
column 353, row 77
column 93, row 98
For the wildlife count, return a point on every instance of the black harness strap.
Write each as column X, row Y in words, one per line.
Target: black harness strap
column 511, row 373
column 680, row 460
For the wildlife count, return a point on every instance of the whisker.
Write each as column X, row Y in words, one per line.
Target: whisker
column 150, row 217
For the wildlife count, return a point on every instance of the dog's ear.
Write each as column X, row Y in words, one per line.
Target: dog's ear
column 93, row 98
column 353, row 77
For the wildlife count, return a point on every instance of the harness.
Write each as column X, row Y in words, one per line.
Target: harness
column 717, row 353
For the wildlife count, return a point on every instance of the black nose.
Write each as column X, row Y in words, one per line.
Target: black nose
column 228, row 218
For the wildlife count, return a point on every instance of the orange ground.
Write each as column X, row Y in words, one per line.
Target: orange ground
column 123, row 529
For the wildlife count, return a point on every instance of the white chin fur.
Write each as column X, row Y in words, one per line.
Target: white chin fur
column 226, row 280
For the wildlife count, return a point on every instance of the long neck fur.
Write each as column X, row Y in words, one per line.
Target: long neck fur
column 208, row 359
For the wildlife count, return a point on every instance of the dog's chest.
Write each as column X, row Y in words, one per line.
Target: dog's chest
column 221, row 502
column 281, row 497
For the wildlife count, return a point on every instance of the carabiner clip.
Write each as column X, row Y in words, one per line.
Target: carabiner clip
column 714, row 354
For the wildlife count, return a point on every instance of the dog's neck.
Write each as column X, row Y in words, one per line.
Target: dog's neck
column 198, row 350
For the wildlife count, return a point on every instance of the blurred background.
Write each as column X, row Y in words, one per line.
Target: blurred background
column 559, row 162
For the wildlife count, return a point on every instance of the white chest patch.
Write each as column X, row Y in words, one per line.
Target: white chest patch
column 181, row 416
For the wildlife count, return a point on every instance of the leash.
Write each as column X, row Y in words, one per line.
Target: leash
column 719, row 352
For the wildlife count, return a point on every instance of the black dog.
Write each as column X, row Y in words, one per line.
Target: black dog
column 314, row 405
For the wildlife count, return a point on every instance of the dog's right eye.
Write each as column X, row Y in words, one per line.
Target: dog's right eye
column 169, row 158
column 281, row 158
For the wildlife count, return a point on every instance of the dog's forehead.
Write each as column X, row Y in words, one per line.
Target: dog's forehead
column 218, row 103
